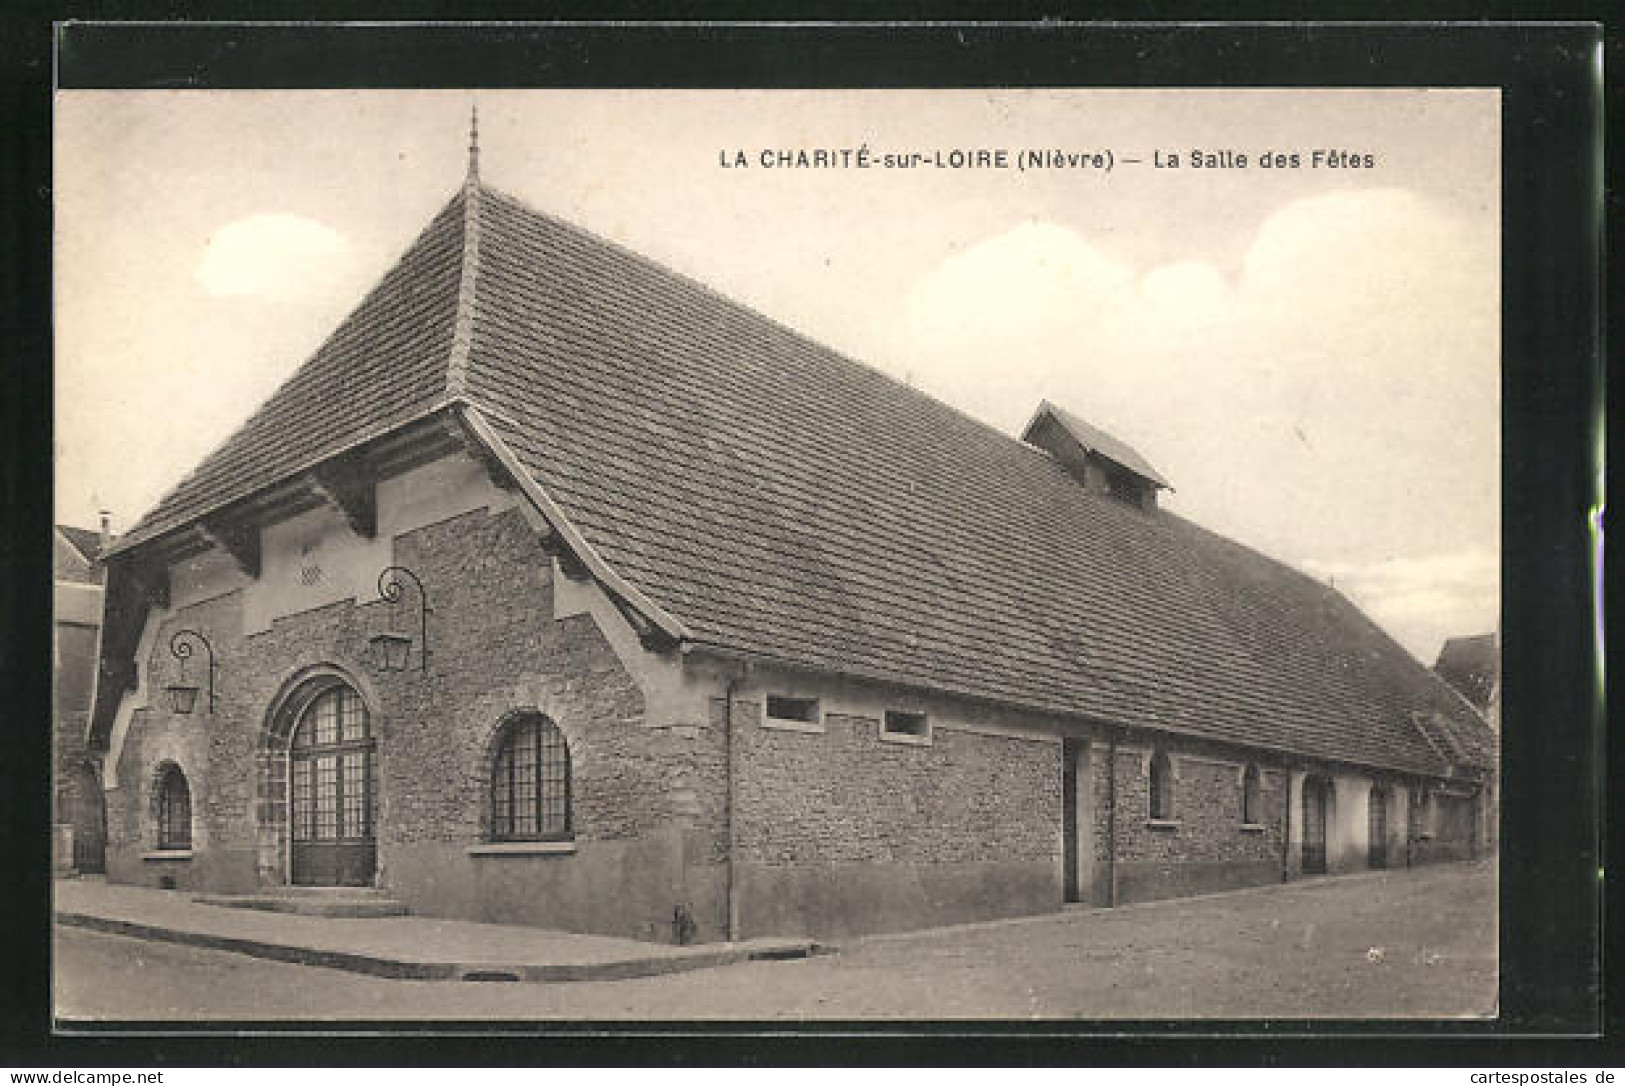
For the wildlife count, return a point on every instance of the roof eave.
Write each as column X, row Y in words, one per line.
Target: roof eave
column 669, row 627
column 131, row 541
column 721, row 650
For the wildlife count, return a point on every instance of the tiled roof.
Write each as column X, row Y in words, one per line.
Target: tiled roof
column 87, row 541
column 781, row 500
column 75, row 553
column 1470, row 664
column 384, row 363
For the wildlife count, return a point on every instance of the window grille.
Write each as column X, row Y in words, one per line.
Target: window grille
column 174, row 811
column 530, row 783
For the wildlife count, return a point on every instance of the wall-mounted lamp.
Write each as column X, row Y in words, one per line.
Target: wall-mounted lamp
column 392, row 650
column 183, row 695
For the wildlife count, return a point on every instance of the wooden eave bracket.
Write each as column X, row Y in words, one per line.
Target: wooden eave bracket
column 152, row 583
column 240, row 539
column 476, row 450
column 649, row 635
column 348, row 485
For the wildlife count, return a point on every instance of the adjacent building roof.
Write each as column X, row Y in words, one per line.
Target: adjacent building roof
column 1472, row 665
column 76, row 552
column 783, row 501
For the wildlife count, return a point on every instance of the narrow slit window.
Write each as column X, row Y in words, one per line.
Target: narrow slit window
column 1252, row 808
column 1162, row 788
column 174, row 811
column 906, row 725
column 795, row 710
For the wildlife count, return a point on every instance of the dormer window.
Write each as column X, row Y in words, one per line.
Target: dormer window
column 1099, row 461
column 1131, row 489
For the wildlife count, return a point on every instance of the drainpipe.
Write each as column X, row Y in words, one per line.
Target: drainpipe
column 1413, row 821
column 1111, row 823
column 728, row 745
column 1286, row 822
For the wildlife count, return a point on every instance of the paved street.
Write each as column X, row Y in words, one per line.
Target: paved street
column 1400, row 944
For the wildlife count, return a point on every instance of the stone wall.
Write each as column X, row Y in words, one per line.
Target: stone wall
column 840, row 831
column 1205, row 846
column 494, row 649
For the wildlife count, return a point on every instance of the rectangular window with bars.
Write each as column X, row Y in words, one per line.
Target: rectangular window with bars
column 354, row 822
column 174, row 812
column 554, row 776
column 327, row 721
column 303, row 822
column 353, row 716
column 327, row 795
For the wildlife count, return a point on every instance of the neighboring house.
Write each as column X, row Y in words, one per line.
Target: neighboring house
column 725, row 634
column 77, row 821
column 1472, row 665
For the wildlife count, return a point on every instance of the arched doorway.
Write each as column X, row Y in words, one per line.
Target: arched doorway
column 1377, row 829
column 332, row 790
column 1315, row 789
column 89, row 821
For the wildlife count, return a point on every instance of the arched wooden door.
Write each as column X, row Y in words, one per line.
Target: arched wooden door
column 1377, row 853
column 1314, row 825
column 332, row 773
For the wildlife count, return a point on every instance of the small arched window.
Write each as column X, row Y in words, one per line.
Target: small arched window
column 174, row 810
column 1252, row 807
column 530, row 782
column 1162, row 787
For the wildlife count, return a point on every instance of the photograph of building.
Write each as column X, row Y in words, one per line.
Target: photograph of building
column 558, row 589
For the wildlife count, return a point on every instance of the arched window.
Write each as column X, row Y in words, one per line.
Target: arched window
column 1252, row 807
column 1162, row 787
column 530, row 782
column 174, row 810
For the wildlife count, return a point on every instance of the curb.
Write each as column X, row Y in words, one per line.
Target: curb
column 398, row 969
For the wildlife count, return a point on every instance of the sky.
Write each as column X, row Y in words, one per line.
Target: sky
column 1310, row 355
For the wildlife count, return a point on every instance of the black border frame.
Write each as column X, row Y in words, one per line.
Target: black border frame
column 1552, row 411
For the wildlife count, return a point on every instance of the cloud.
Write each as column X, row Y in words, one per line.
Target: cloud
column 1471, row 568
column 1033, row 274
column 1335, row 395
column 1189, row 290
column 1424, row 599
column 273, row 255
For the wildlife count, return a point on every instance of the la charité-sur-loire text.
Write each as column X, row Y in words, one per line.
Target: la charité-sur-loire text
column 1102, row 160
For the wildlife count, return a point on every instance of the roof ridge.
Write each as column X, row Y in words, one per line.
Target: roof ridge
column 462, row 334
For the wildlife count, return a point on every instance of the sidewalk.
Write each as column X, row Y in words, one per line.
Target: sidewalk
column 399, row 947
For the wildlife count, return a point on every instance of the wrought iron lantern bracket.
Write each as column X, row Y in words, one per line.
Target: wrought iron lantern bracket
column 394, row 649
column 183, row 696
